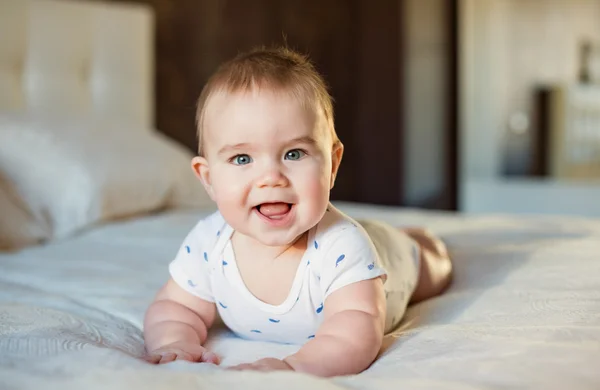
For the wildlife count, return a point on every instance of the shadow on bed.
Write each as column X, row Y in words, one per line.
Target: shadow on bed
column 482, row 261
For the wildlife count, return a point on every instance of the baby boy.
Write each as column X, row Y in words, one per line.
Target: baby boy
column 278, row 261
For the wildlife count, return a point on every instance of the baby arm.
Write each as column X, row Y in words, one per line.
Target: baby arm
column 176, row 325
column 350, row 337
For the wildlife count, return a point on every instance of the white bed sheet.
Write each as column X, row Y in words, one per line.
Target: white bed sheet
column 523, row 311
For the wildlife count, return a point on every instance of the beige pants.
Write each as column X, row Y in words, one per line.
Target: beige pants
column 399, row 255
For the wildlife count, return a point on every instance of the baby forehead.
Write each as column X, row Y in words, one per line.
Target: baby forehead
column 259, row 116
column 257, row 111
column 277, row 99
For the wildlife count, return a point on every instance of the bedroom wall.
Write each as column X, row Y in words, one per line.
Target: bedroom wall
column 516, row 45
column 386, row 63
column 543, row 40
column 508, row 49
column 354, row 43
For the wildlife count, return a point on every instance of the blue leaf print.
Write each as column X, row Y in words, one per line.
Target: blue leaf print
column 316, row 245
column 218, row 233
column 255, row 331
column 205, row 256
column 273, row 320
column 225, row 263
column 312, row 336
column 308, row 263
column 222, row 305
column 371, row 266
column 191, row 283
column 320, row 309
column 339, row 260
column 187, row 249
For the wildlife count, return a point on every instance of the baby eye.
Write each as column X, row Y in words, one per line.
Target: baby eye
column 241, row 159
column 295, row 154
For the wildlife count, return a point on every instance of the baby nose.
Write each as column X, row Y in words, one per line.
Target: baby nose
column 273, row 177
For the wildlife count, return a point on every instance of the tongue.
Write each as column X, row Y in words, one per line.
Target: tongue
column 274, row 209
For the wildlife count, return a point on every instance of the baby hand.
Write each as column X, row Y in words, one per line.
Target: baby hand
column 181, row 351
column 268, row 364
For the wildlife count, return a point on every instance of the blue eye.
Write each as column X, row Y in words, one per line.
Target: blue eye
column 295, row 154
column 241, row 159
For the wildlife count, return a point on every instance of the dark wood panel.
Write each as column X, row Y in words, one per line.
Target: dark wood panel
column 449, row 199
column 379, row 117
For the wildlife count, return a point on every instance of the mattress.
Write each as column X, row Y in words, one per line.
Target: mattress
column 523, row 311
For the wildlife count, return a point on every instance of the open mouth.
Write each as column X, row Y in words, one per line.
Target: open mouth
column 274, row 211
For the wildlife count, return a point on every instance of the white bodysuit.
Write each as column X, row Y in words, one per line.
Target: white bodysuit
column 339, row 252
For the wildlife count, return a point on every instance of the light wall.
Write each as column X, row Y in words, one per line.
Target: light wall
column 507, row 48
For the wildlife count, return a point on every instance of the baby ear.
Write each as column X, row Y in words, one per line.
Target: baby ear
column 202, row 172
column 336, row 159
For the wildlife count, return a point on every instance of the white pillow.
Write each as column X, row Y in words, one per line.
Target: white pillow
column 69, row 174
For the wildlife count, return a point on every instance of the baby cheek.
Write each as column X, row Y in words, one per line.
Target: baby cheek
column 228, row 188
column 231, row 194
column 316, row 189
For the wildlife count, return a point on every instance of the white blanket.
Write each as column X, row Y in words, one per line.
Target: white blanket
column 523, row 311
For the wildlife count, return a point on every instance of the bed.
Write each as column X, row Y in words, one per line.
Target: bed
column 523, row 310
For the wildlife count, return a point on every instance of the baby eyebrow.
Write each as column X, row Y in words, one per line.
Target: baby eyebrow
column 307, row 140
column 230, row 148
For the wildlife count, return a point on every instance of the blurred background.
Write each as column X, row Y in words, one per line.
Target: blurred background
column 470, row 105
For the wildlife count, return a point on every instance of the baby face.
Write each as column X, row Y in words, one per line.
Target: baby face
column 269, row 164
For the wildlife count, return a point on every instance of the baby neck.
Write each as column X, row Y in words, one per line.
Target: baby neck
column 261, row 250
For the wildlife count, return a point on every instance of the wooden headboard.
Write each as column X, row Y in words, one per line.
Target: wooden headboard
column 77, row 58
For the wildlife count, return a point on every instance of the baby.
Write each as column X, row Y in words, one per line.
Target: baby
column 277, row 261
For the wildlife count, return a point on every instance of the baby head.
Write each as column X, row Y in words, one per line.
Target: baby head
column 268, row 151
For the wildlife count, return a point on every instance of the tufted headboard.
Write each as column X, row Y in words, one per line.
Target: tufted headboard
column 81, row 57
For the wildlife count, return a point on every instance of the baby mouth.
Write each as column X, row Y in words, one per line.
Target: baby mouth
column 274, row 210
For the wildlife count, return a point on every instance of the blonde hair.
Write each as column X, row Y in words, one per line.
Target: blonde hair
column 278, row 68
